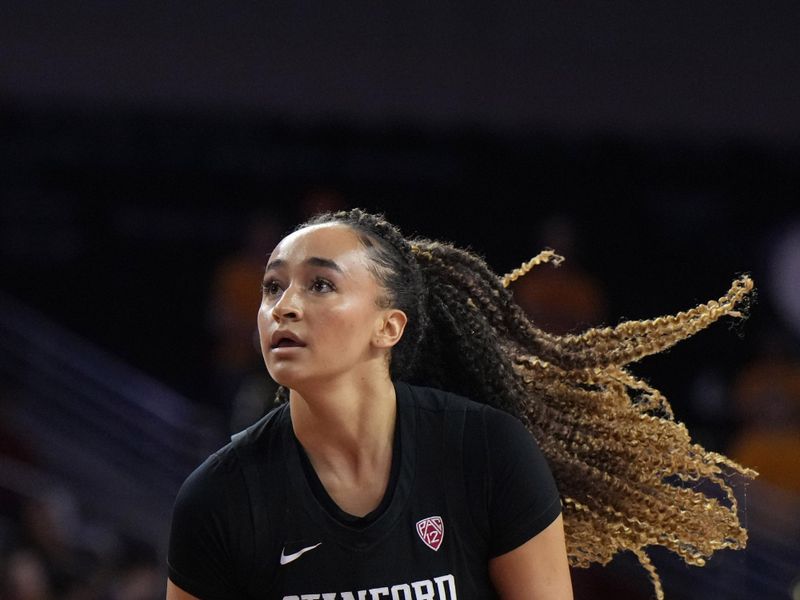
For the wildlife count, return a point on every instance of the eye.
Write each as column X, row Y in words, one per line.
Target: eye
column 322, row 286
column 270, row 287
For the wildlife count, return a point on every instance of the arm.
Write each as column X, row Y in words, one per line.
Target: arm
column 536, row 570
column 176, row 593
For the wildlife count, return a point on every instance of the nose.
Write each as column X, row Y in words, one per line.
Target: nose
column 287, row 306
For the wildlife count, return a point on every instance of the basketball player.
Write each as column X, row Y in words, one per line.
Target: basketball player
column 380, row 479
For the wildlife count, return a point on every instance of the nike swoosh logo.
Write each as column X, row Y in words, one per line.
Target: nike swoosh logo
column 287, row 558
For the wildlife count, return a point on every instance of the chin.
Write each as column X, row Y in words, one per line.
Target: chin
column 287, row 375
column 279, row 376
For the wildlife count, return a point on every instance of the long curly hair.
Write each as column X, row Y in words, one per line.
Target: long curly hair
column 628, row 472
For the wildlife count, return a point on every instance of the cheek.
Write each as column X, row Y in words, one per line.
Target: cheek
column 260, row 317
column 350, row 325
column 262, row 320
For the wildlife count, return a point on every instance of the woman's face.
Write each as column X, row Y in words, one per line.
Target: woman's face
column 319, row 317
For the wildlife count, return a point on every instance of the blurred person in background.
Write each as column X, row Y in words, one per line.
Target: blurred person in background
column 766, row 391
column 24, row 577
column 766, row 395
column 566, row 299
column 46, row 555
column 242, row 390
column 135, row 575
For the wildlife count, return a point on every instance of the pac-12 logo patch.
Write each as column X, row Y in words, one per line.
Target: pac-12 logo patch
column 431, row 530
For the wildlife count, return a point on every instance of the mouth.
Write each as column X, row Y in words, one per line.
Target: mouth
column 285, row 340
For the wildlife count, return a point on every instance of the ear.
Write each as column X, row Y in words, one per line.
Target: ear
column 391, row 325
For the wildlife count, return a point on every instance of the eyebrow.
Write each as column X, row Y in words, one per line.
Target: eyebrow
column 314, row 261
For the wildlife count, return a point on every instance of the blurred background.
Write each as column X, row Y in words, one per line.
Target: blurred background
column 152, row 153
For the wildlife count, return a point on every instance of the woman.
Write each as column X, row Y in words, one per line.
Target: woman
column 363, row 486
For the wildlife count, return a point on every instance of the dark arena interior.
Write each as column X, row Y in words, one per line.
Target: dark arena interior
column 154, row 153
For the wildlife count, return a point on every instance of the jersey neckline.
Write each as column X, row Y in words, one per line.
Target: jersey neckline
column 359, row 535
column 322, row 496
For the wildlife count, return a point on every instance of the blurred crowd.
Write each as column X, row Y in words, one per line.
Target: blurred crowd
column 50, row 549
column 50, row 554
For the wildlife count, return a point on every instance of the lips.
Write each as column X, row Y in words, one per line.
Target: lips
column 285, row 339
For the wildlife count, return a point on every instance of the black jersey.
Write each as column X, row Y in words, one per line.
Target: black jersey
column 468, row 483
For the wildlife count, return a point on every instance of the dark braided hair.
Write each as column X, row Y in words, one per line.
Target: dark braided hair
column 621, row 461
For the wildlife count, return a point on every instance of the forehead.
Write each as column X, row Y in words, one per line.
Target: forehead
column 334, row 241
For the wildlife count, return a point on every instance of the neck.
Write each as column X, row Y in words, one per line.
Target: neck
column 351, row 420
